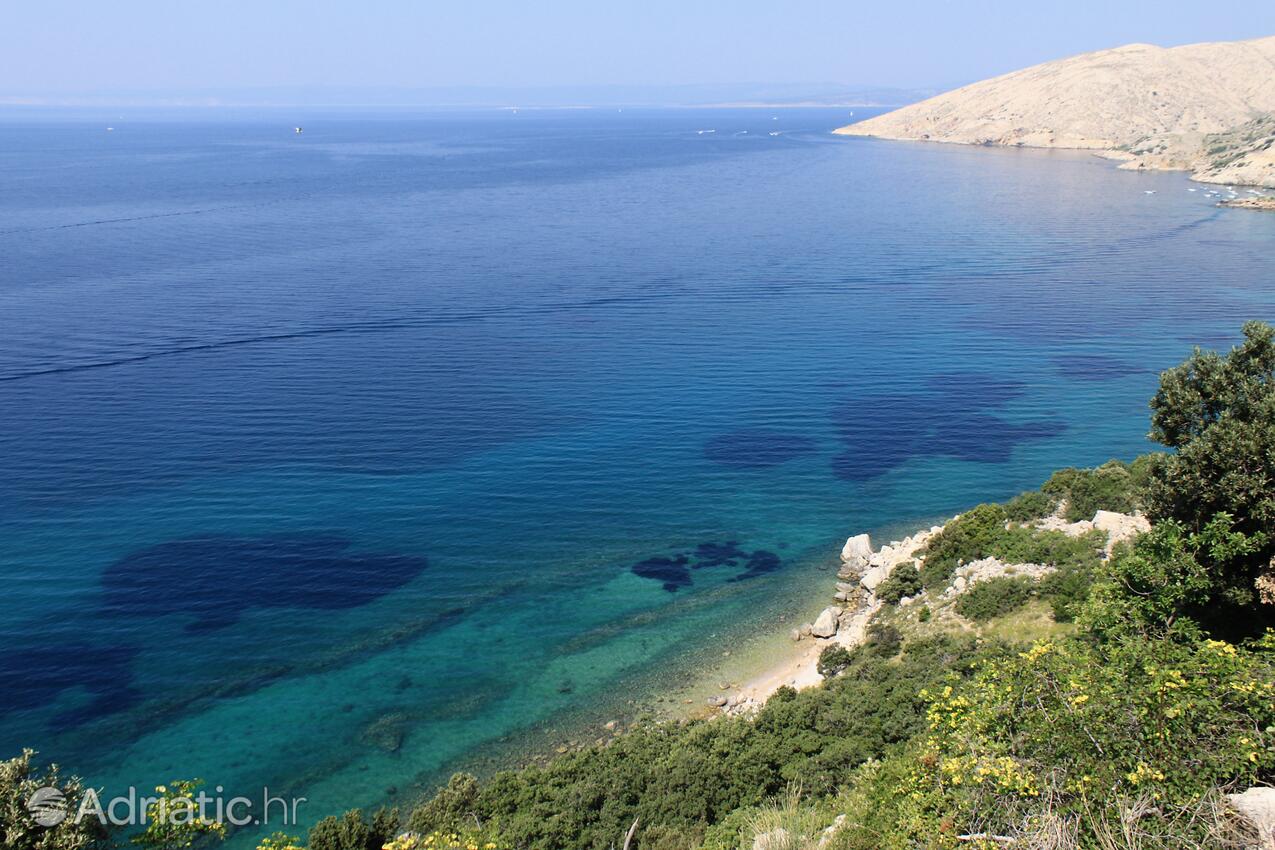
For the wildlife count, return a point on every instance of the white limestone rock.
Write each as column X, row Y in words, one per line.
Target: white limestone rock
column 1257, row 806
column 825, row 626
column 874, row 576
column 1120, row 527
column 856, row 552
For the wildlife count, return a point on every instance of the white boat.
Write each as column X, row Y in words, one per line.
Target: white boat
column 298, row 130
column 1149, row 191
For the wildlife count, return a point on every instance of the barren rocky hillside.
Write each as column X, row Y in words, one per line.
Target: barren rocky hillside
column 1153, row 107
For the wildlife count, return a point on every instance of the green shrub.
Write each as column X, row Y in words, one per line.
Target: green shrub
column 1067, row 590
column 970, row 536
column 349, row 832
column 1053, row 548
column 982, row 533
column 832, row 660
column 681, row 779
column 1071, row 735
column 447, row 809
column 18, row 781
column 1029, row 506
column 1218, row 413
column 884, row 640
column 995, row 597
column 924, row 615
column 174, row 821
column 904, row 580
column 1110, row 487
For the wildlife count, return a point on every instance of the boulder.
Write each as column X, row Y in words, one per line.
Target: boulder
column 717, row 701
column 856, row 552
column 873, row 577
column 795, row 634
column 840, row 596
column 825, row 626
column 1119, row 526
column 806, row 629
column 775, row 839
column 1257, row 806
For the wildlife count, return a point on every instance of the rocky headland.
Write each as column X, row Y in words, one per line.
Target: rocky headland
column 1204, row 108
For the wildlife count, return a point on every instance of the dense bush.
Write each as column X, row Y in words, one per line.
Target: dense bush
column 1066, row 590
column 353, row 832
column 1064, row 736
column 1114, row 486
column 18, row 781
column 970, row 536
column 1218, row 413
column 832, row 660
column 984, row 533
column 904, row 580
column 681, row 779
column 995, row 597
column 883, row 640
column 1043, row 546
column 1029, row 506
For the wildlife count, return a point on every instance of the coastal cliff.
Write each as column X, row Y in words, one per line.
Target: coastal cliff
column 1203, row 108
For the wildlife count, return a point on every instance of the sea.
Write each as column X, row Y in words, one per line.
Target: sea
column 334, row 461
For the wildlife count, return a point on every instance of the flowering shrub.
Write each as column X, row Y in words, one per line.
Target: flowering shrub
column 443, row 841
column 1068, row 727
column 173, row 821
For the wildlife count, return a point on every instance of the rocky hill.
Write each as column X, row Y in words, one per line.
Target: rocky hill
column 1201, row 107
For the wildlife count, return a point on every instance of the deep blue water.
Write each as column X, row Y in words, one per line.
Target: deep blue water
column 328, row 461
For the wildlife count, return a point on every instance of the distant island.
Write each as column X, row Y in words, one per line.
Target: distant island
column 1203, row 108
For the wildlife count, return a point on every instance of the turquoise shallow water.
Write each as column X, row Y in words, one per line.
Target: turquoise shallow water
column 330, row 462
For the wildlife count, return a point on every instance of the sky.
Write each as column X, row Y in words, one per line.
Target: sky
column 50, row 47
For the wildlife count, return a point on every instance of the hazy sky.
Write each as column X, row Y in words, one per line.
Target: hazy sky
column 49, row 46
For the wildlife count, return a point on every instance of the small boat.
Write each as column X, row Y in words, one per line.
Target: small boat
column 702, row 132
column 774, row 132
column 1190, row 190
column 1148, row 191
column 298, row 130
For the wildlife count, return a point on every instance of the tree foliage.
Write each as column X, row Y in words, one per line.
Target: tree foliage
column 1218, row 413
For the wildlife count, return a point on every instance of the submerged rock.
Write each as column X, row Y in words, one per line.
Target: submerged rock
column 386, row 732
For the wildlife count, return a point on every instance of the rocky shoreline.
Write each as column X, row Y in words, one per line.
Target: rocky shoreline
column 1256, row 203
column 855, row 600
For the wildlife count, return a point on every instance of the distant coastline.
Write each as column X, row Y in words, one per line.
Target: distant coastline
column 1194, row 108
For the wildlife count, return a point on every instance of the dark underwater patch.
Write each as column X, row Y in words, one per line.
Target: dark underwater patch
column 1094, row 367
column 756, row 448
column 950, row 415
column 32, row 677
column 674, row 571
column 216, row 579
